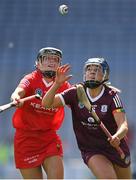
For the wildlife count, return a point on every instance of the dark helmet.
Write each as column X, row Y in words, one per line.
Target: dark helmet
column 105, row 68
column 48, row 51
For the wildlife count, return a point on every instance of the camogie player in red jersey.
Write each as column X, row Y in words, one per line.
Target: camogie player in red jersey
column 36, row 143
column 98, row 152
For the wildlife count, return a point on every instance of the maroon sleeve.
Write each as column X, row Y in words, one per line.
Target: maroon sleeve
column 69, row 95
column 116, row 105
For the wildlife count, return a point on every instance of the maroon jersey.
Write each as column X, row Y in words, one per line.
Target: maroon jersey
column 88, row 133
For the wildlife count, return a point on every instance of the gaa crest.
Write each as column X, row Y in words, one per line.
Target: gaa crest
column 104, row 108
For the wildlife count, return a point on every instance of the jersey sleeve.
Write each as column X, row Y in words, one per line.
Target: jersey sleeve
column 117, row 105
column 65, row 86
column 25, row 83
column 68, row 95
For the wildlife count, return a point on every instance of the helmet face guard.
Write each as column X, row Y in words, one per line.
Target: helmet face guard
column 44, row 55
column 49, row 74
column 99, row 62
column 49, row 50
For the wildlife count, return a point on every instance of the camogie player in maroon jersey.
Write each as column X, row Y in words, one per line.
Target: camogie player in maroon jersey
column 98, row 153
column 36, row 143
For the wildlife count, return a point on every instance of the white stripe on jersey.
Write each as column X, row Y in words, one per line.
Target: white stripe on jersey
column 25, row 82
column 62, row 99
column 117, row 101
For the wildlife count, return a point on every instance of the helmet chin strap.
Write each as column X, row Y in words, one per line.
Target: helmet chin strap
column 91, row 84
column 49, row 74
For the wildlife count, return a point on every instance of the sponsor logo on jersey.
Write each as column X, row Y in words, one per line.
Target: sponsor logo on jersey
column 90, row 124
column 39, row 91
column 104, row 108
column 91, row 120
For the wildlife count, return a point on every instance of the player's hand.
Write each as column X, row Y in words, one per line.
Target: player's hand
column 16, row 100
column 114, row 141
column 61, row 74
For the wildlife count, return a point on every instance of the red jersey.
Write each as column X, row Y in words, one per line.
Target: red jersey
column 32, row 115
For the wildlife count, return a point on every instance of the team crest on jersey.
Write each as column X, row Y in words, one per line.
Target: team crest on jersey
column 80, row 105
column 39, row 91
column 104, row 108
column 127, row 160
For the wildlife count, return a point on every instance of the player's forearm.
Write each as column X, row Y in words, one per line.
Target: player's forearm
column 49, row 97
column 122, row 131
column 18, row 93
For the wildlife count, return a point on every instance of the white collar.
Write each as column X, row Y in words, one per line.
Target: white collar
column 97, row 97
column 46, row 83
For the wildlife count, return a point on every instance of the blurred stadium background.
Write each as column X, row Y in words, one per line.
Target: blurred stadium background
column 91, row 28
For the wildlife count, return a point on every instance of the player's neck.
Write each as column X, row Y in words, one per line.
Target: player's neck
column 48, row 80
column 95, row 92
